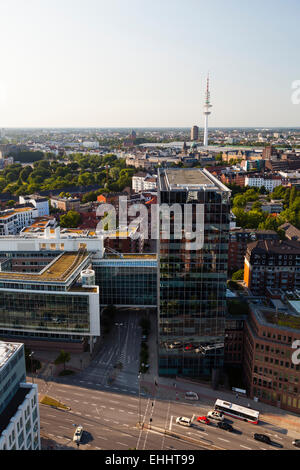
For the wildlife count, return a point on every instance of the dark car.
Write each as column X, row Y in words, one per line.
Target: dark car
column 262, row 438
column 296, row 443
column 225, row 426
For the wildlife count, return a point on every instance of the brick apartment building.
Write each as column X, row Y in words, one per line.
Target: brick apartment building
column 269, row 371
column 272, row 264
column 238, row 242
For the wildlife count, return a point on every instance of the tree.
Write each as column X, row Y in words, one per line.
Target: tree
column 70, row 220
column 62, row 358
column 238, row 275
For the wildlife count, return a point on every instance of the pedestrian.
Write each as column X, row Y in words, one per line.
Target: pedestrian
column 237, row 396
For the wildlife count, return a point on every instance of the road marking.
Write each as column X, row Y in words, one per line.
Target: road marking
column 248, row 448
column 171, row 419
column 121, row 443
column 221, row 439
column 64, row 427
column 100, row 437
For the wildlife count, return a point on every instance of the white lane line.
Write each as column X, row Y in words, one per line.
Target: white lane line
column 121, row 444
column 100, row 437
column 44, row 422
column 221, row 439
column 248, row 448
column 171, row 419
column 63, row 427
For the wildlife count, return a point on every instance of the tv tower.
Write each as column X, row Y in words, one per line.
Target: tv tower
column 206, row 113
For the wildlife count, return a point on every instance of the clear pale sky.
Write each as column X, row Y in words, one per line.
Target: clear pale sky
column 138, row 63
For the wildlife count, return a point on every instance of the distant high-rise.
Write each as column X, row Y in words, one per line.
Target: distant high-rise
column 207, row 112
column 195, row 133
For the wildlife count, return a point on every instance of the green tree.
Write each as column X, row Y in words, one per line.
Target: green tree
column 70, row 220
column 62, row 358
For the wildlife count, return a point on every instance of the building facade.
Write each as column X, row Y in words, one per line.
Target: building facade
column 19, row 409
column 270, row 372
column 192, row 282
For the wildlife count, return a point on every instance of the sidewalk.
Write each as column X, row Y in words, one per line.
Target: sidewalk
column 77, row 363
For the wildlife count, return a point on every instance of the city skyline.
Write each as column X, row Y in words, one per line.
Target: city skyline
column 110, row 65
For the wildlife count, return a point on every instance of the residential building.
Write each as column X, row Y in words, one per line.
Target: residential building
column 291, row 232
column 13, row 220
column 65, row 203
column 270, row 182
column 272, row 264
column 270, row 373
column 238, row 242
column 144, row 182
column 39, row 202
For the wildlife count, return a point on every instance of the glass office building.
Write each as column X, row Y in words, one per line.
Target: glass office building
column 192, row 280
column 130, row 281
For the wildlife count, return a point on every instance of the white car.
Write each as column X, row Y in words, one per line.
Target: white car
column 78, row 434
column 191, row 396
column 213, row 414
column 184, row 421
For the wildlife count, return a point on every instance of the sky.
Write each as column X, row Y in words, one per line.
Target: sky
column 141, row 63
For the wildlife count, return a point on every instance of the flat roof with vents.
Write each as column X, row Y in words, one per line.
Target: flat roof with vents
column 189, row 178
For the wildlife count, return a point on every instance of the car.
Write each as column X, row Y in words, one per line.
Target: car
column 184, row 421
column 225, row 426
column 296, row 443
column 217, row 415
column 78, row 434
column 262, row 438
column 191, row 396
column 203, row 419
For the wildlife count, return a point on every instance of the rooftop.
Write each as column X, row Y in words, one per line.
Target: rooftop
column 7, row 350
column 188, row 178
column 58, row 270
column 11, row 212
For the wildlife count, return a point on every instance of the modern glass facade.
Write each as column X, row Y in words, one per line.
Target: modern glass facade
column 44, row 312
column 192, row 283
column 127, row 282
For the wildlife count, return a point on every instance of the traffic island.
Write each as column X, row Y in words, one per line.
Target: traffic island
column 49, row 401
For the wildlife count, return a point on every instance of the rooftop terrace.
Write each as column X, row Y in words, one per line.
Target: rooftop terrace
column 58, row 270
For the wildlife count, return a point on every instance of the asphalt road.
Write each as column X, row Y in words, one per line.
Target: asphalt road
column 110, row 411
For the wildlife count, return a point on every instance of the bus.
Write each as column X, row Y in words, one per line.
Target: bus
column 237, row 411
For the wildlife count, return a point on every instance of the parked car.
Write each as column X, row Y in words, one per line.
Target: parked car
column 203, row 419
column 78, row 434
column 191, row 396
column 262, row 438
column 225, row 426
column 213, row 414
column 296, row 443
column 184, row 421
